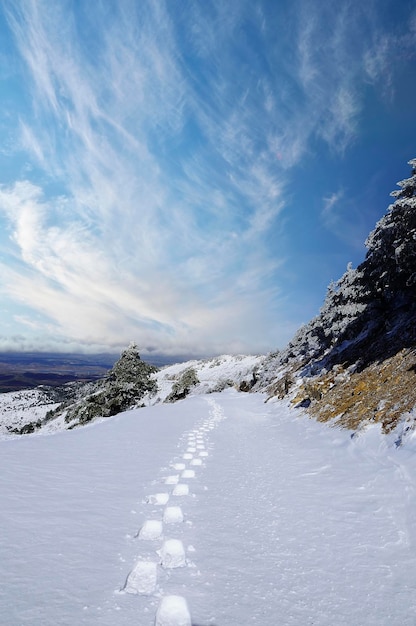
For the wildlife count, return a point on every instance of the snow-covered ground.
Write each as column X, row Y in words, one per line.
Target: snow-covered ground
column 213, row 374
column 217, row 510
column 20, row 408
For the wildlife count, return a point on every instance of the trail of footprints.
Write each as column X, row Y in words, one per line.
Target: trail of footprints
column 169, row 553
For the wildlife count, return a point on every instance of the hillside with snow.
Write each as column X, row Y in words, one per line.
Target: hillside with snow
column 130, row 383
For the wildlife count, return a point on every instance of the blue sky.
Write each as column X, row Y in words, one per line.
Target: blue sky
column 191, row 175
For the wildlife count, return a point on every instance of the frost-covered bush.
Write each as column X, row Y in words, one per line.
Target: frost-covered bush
column 182, row 387
column 223, row 383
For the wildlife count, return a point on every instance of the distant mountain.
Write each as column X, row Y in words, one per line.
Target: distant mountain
column 27, row 370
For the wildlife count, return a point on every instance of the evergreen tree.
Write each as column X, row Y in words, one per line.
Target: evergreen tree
column 125, row 385
column 392, row 245
column 369, row 313
column 131, row 369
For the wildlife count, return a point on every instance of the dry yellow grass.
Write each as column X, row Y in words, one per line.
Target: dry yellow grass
column 381, row 393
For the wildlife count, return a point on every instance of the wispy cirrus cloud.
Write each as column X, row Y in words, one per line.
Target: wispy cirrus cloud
column 330, row 204
column 340, row 49
column 387, row 50
column 165, row 134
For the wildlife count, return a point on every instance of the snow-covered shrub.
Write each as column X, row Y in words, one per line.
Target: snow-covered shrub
column 223, row 383
column 182, row 387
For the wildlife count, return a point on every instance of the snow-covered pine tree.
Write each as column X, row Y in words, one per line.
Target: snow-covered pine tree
column 393, row 242
column 125, row 385
column 369, row 313
column 130, row 369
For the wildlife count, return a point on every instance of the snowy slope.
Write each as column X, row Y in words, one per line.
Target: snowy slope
column 285, row 521
column 213, row 374
column 18, row 408
column 21, row 408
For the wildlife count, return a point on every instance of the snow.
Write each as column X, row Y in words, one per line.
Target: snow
column 152, row 529
column 188, row 474
column 160, row 499
column 173, row 611
column 18, row 408
column 211, row 373
column 142, row 579
column 173, row 515
column 287, row 521
column 172, row 480
column 181, row 489
column 21, row 408
column 172, row 554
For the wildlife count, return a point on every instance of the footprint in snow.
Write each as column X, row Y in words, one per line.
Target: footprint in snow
column 181, row 489
column 178, row 466
column 151, row 530
column 188, row 473
column 187, row 456
column 173, row 611
column 160, row 499
column 142, row 579
column 172, row 554
column 196, row 462
column 172, row 480
column 173, row 515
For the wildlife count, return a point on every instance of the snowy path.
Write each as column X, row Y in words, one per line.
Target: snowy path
column 219, row 510
column 310, row 527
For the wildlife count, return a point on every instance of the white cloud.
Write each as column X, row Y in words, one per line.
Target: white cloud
column 342, row 215
column 387, row 50
column 329, row 210
column 170, row 141
column 77, row 288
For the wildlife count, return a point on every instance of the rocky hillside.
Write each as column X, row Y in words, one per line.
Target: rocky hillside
column 356, row 360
